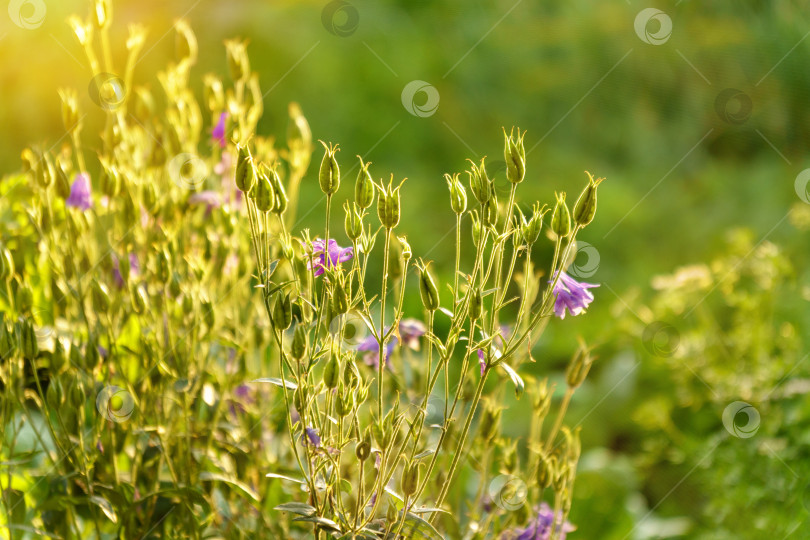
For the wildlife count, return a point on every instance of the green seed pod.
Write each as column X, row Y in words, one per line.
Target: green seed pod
column 6, row 264
column 530, row 230
column 546, row 471
column 514, row 155
column 489, row 422
column 209, row 315
column 458, row 195
column 300, row 342
column 331, row 371
column 388, row 205
column 344, row 403
column 61, row 181
column 354, row 221
column 100, row 296
column 150, row 199
column 238, row 63
column 585, row 207
column 245, row 171
column 91, row 355
column 70, row 110
column 45, row 171
column 59, row 356
column 340, row 297
column 476, row 227
column 362, row 449
column 480, row 183
column 509, row 458
column 28, row 341
column 282, row 312
column 163, row 261
column 561, row 217
column 75, row 356
column 25, row 298
column 407, row 252
column 410, row 479
column 578, row 367
column 542, row 402
column 55, row 393
column 265, row 199
column 137, row 296
column 8, row 341
column 351, row 375
column 329, row 174
column 364, row 186
column 110, row 181
column 476, row 305
column 78, row 394
column 489, row 212
column 281, row 201
column 427, row 288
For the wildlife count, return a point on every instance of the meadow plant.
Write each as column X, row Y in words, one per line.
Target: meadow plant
column 144, row 392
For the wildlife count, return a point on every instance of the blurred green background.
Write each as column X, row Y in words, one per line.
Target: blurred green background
column 698, row 131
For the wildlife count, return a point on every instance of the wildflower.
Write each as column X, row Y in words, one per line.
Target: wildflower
column 242, row 396
column 313, row 437
column 218, row 133
column 80, row 196
column 211, row 199
column 410, row 330
column 337, row 255
column 539, row 528
column 572, row 295
column 372, row 350
column 481, row 362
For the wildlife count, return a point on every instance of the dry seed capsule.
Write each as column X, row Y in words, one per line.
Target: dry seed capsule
column 329, row 174
column 585, row 207
column 561, row 217
column 364, row 186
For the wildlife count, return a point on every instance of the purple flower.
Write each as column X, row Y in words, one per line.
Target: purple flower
column 313, row 437
column 210, row 199
column 80, row 196
column 242, row 396
column 410, row 330
column 337, row 255
column 481, row 361
column 372, row 350
column 571, row 295
column 539, row 527
column 218, row 133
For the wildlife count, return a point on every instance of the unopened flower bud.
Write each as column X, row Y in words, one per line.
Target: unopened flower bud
column 561, row 217
column 585, row 207
column 364, row 186
column 427, row 288
column 514, row 155
column 458, row 195
column 329, row 174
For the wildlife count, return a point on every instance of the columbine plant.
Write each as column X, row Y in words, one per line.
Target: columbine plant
column 129, row 342
column 371, row 461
